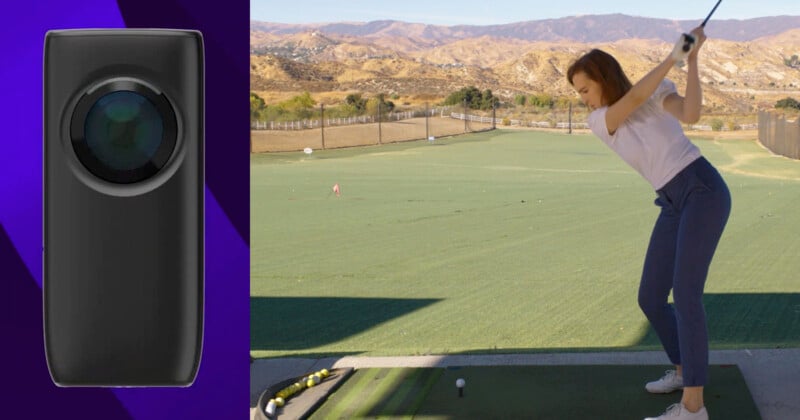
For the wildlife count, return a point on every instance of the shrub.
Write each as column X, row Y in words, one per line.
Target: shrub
column 474, row 98
column 790, row 103
column 257, row 107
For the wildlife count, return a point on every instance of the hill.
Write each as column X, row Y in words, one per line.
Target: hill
column 587, row 28
column 417, row 62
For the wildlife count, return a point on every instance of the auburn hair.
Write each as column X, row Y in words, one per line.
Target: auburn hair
column 604, row 69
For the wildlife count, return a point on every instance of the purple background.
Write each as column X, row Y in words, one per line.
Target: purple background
column 221, row 388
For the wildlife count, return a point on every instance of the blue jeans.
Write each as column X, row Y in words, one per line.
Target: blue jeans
column 695, row 205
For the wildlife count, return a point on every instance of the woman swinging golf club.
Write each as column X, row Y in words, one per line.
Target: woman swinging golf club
column 641, row 123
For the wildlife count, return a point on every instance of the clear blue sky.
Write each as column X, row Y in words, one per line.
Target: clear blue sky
column 490, row 12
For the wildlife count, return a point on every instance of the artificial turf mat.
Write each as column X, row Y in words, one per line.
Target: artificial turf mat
column 525, row 392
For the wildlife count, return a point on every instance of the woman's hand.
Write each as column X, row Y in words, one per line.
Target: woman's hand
column 688, row 108
column 687, row 46
column 682, row 49
column 699, row 38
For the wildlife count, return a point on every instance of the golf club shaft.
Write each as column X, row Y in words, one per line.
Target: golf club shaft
column 711, row 13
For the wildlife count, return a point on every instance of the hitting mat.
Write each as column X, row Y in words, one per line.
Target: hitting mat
column 524, row 392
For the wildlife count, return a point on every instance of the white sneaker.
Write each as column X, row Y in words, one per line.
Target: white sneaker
column 678, row 411
column 670, row 382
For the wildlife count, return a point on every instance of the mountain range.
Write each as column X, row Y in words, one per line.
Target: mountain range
column 745, row 63
column 588, row 28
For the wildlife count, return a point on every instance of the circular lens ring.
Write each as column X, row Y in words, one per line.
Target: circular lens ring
column 103, row 170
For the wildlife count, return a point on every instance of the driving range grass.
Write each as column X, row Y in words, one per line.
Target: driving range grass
column 504, row 241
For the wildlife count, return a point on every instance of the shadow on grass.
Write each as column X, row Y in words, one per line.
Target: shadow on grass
column 735, row 320
column 298, row 323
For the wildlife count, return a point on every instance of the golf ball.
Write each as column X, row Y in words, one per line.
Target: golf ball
column 460, row 382
column 270, row 409
column 308, row 150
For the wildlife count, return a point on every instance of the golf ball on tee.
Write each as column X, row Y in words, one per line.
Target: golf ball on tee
column 460, row 382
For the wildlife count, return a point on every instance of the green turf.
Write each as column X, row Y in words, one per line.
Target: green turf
column 529, row 392
column 500, row 242
column 381, row 393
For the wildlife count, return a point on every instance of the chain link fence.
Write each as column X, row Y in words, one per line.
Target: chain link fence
column 330, row 133
column 432, row 123
column 779, row 135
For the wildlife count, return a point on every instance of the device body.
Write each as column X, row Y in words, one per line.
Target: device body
column 123, row 206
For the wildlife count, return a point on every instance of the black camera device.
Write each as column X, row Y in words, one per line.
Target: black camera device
column 123, row 206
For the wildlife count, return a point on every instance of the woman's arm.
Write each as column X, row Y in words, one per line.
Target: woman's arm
column 687, row 109
column 644, row 88
column 638, row 94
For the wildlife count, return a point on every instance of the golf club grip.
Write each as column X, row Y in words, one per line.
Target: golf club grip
column 687, row 42
column 703, row 25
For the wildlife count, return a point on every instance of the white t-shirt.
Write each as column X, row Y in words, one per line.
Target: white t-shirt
column 650, row 140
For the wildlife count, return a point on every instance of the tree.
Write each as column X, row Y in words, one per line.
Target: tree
column 474, row 98
column 303, row 101
column 789, row 103
column 357, row 101
column 257, row 107
column 379, row 103
column 542, row 100
column 385, row 105
column 488, row 100
column 465, row 94
column 300, row 106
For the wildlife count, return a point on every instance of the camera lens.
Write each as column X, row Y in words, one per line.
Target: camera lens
column 123, row 131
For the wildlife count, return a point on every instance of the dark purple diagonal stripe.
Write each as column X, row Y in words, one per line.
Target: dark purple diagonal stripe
column 226, row 32
column 27, row 390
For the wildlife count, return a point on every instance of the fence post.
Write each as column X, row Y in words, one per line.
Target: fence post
column 780, row 133
column 465, row 115
column 494, row 115
column 570, row 117
column 427, row 132
column 379, row 122
column 796, row 137
column 322, row 123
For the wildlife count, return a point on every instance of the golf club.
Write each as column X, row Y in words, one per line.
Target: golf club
column 690, row 39
column 710, row 13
